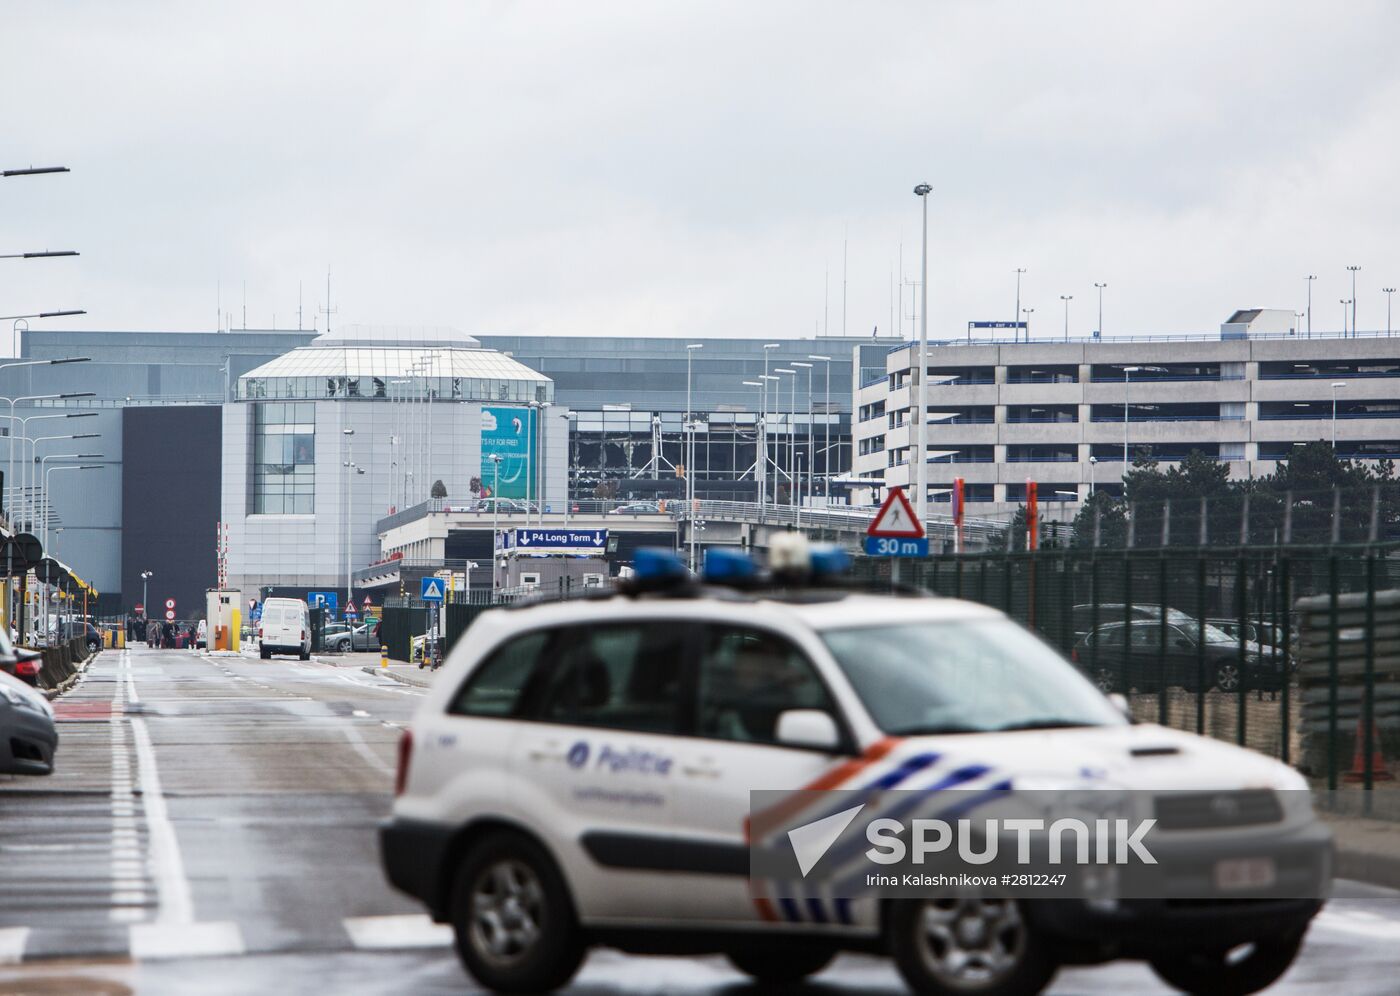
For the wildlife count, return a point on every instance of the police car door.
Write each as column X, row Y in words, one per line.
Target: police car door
column 599, row 761
column 745, row 678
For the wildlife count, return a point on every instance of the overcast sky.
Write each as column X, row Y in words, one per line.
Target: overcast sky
column 693, row 168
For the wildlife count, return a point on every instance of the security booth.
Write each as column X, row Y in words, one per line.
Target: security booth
column 223, row 618
column 551, row 559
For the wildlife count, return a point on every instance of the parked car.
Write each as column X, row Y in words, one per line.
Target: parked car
column 28, row 737
column 1112, row 653
column 360, row 638
column 18, row 662
column 1085, row 619
column 85, row 631
column 285, row 628
column 637, row 508
column 506, row 506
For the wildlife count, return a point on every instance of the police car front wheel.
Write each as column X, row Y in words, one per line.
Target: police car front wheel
column 1232, row 971
column 514, row 924
column 969, row 944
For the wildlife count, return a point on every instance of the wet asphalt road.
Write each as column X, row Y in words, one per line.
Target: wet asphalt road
column 210, row 829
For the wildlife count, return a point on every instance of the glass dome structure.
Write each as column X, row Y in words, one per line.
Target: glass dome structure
column 368, row 363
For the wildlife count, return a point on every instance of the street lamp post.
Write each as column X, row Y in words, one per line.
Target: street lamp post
column 10, row 468
column 29, row 496
column 1352, row 270
column 690, row 453
column 349, row 436
column 811, row 429
column 495, row 459
column 16, row 319
column 826, row 432
column 1099, row 334
column 1344, row 302
column 1388, row 291
column 47, row 506
column 769, row 379
column 1335, row 385
column 1093, row 462
column 763, row 418
column 777, row 401
column 145, row 577
column 1028, row 312
column 1067, row 298
column 1311, row 278
column 758, row 429
column 22, row 439
column 1016, row 315
column 920, row 481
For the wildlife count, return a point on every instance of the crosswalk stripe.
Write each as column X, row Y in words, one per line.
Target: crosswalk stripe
column 156, row 941
column 413, row 930
column 12, row 941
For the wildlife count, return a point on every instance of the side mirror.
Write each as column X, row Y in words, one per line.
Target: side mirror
column 1119, row 701
column 808, row 728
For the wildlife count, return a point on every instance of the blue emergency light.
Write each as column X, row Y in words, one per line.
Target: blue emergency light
column 728, row 566
column 829, row 560
column 652, row 564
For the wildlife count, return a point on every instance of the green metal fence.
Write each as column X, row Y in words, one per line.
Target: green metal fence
column 1292, row 651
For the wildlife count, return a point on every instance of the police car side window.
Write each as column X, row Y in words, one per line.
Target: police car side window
column 497, row 687
column 623, row 676
column 748, row 677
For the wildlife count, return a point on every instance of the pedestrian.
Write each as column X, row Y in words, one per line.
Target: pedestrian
column 167, row 635
column 152, row 633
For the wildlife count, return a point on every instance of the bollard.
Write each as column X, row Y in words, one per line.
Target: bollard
column 383, row 656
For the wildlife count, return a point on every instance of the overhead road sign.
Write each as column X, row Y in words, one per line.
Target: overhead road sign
column 556, row 539
column 433, row 589
column 896, row 518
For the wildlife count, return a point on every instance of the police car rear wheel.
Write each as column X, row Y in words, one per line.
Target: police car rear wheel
column 1235, row 971
column 782, row 965
column 968, row 944
column 512, row 918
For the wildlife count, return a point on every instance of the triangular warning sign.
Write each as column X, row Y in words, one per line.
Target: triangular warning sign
column 349, row 608
column 896, row 518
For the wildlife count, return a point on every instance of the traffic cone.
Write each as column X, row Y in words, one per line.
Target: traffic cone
column 1379, row 772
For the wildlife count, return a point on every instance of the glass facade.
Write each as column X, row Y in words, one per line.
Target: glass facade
column 284, row 459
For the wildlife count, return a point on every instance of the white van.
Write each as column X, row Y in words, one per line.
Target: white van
column 285, row 628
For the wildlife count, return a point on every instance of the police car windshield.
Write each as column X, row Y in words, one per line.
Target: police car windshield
column 964, row 676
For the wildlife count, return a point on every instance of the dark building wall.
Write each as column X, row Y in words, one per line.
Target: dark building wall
column 170, row 505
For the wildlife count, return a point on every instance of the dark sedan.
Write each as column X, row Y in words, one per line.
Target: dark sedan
column 18, row 662
column 1138, row 662
column 28, row 737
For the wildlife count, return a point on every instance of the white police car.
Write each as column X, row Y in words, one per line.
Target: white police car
column 580, row 773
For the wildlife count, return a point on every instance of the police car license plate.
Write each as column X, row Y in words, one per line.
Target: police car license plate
column 1245, row 873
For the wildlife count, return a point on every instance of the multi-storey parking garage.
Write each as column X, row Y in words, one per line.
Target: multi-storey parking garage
column 1068, row 414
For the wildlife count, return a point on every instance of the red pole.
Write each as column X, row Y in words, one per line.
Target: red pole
column 1032, row 532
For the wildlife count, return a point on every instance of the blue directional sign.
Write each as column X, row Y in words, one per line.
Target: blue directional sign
column 326, row 600
column 433, row 589
column 896, row 546
column 561, row 539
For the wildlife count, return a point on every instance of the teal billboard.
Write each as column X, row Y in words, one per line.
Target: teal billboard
column 509, row 432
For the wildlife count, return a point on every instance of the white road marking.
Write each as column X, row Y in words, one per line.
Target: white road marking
column 413, row 930
column 1358, row 922
column 363, row 749
column 153, row 941
column 361, row 713
column 12, row 941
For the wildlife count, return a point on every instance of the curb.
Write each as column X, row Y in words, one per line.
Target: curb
column 1366, row 866
column 67, row 683
column 403, row 679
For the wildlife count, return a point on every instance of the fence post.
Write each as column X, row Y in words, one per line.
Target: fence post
column 1286, row 617
column 1287, row 517
column 1336, row 516
column 1202, row 682
column 1162, row 635
column 1241, row 584
column 1368, row 707
column 1127, row 615
column 1332, row 678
